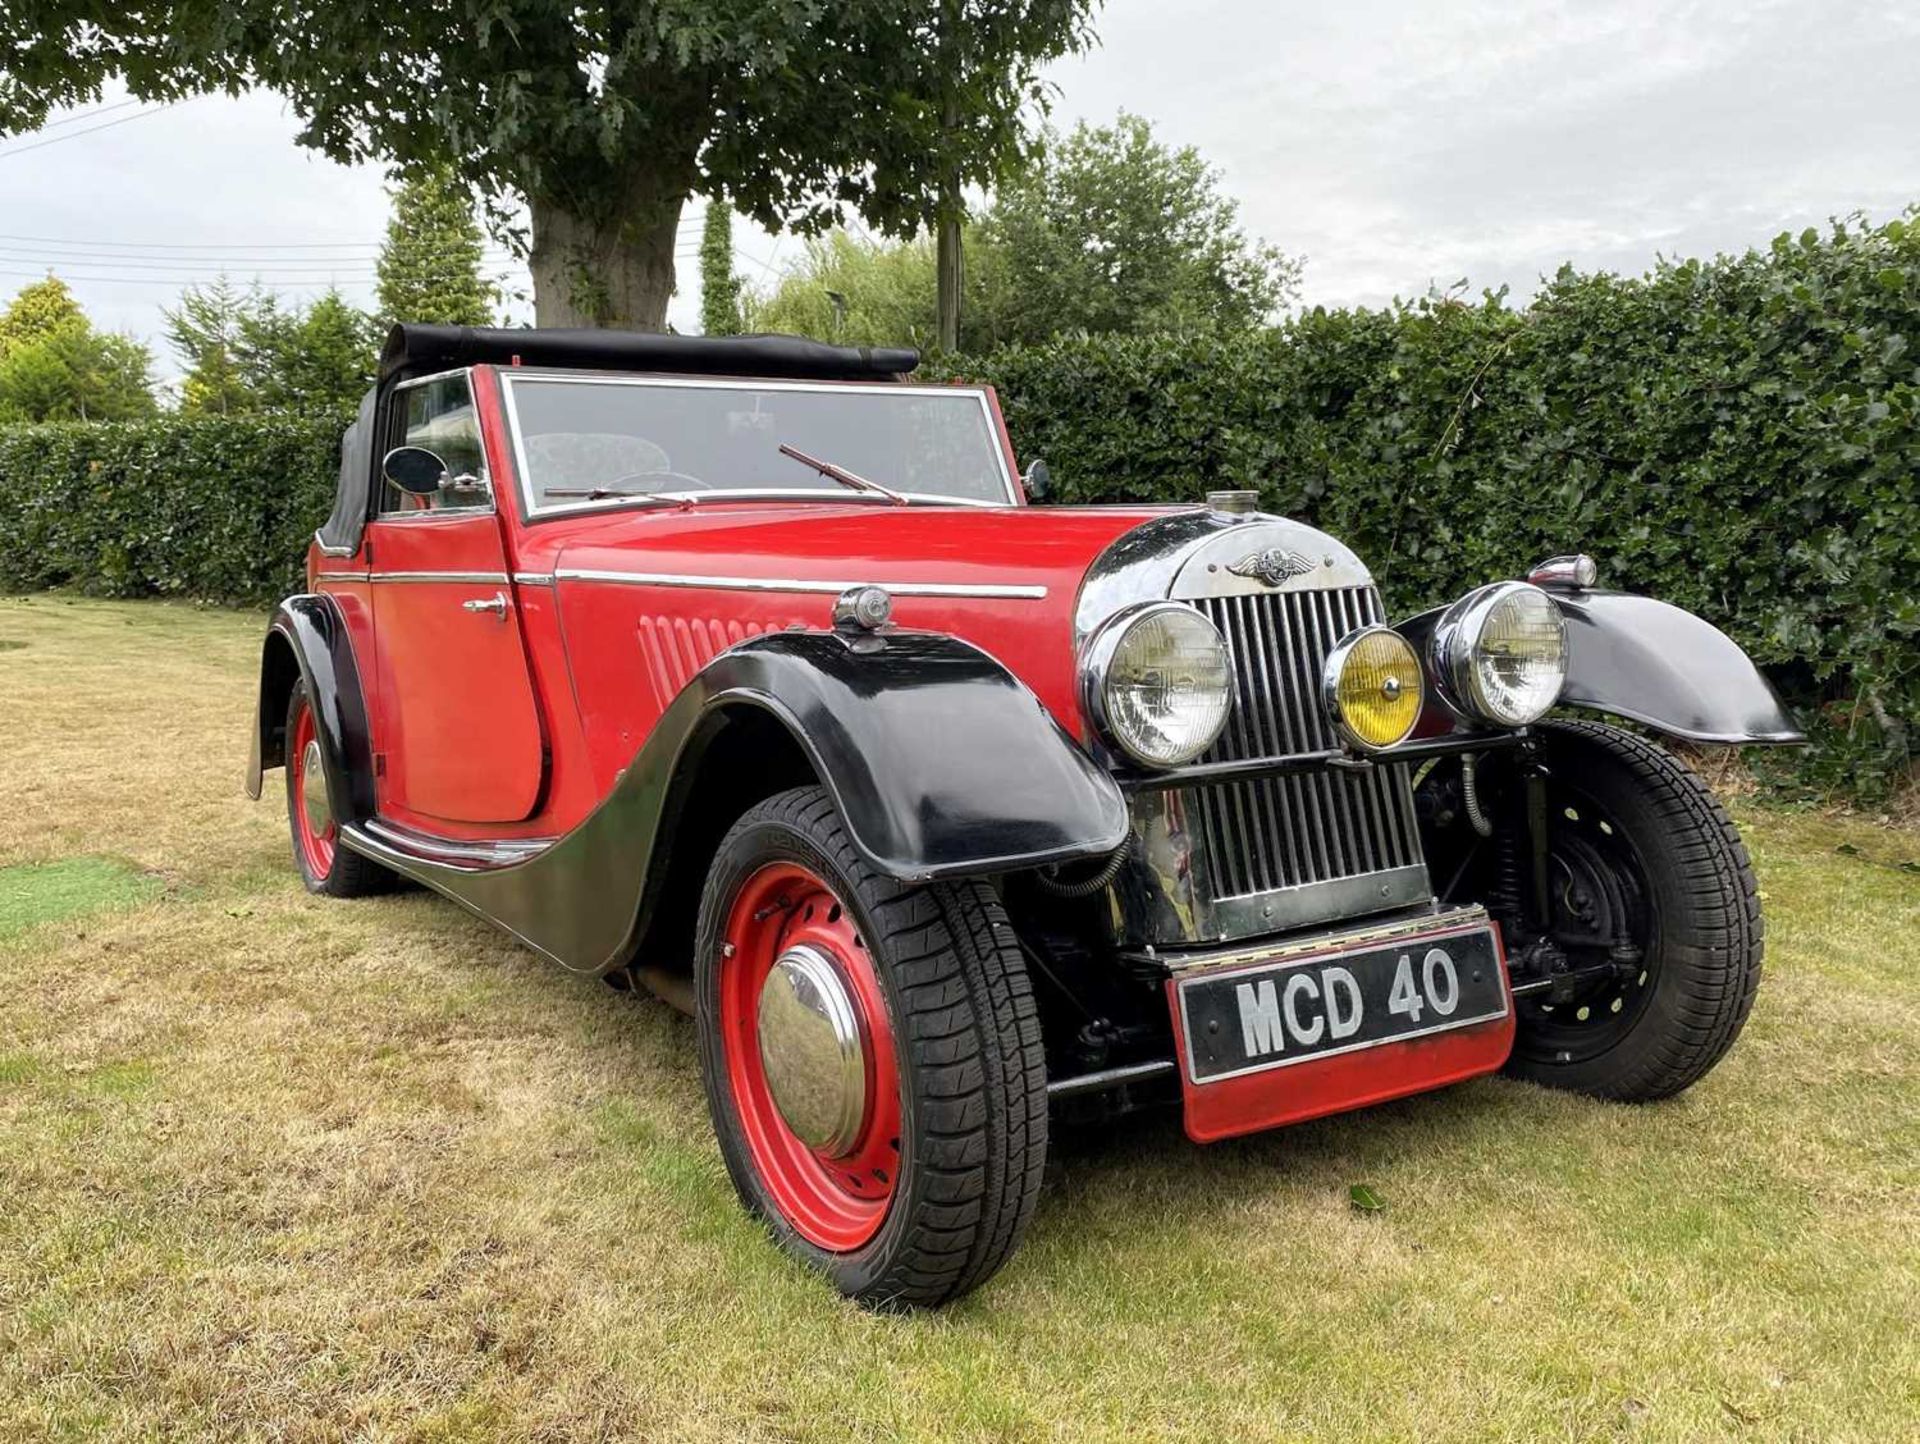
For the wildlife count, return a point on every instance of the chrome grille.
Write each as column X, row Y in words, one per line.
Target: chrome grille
column 1298, row 829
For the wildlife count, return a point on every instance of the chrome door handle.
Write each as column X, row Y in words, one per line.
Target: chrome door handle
column 497, row 604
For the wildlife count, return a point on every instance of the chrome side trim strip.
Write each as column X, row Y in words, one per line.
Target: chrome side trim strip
column 492, row 579
column 793, row 584
column 533, row 579
column 503, row 852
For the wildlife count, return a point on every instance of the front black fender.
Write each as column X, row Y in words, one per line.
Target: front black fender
column 942, row 763
column 307, row 640
column 1659, row 665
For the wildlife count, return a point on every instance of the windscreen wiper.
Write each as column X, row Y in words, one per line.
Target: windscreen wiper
column 842, row 475
column 601, row 493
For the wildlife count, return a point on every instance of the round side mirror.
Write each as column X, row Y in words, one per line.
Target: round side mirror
column 414, row 469
column 1037, row 480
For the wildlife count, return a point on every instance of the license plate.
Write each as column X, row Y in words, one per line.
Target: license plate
column 1249, row 1019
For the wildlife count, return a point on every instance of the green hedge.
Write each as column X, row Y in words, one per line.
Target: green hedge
column 1737, row 436
column 220, row 508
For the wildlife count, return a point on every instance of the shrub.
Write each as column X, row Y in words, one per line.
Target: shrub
column 1736, row 436
column 219, row 508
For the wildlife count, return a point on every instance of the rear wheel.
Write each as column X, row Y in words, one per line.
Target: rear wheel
column 1648, row 876
column 871, row 1056
column 325, row 866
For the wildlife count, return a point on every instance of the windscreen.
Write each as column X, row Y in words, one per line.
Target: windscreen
column 589, row 441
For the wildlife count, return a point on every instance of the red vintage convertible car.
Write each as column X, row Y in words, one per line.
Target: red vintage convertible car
column 746, row 670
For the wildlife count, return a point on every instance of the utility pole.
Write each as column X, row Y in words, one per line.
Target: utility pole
column 947, row 261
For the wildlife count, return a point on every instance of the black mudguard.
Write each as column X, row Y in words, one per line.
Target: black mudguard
column 1656, row 664
column 1659, row 665
column 942, row 762
column 307, row 639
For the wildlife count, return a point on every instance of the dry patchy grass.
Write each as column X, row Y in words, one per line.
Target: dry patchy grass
column 276, row 1167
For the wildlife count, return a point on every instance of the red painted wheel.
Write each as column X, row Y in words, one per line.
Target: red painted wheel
column 325, row 866
column 315, row 833
column 871, row 1056
column 810, row 1055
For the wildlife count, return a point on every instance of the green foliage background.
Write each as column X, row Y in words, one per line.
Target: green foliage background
column 213, row 507
column 1737, row 436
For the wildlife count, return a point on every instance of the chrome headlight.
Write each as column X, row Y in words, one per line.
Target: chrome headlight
column 1371, row 686
column 1500, row 653
column 1157, row 682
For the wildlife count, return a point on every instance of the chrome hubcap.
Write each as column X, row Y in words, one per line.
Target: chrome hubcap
column 812, row 1052
column 313, row 791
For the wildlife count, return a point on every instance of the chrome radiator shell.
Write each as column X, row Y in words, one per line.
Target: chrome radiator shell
column 1321, row 838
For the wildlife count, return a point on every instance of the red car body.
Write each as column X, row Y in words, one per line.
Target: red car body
column 550, row 701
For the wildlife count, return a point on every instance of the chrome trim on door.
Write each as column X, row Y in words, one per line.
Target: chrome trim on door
column 478, row 579
column 794, row 584
column 533, row 579
column 333, row 551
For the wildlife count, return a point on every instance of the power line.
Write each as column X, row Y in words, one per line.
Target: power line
column 75, row 135
column 79, row 116
column 68, row 241
column 344, row 276
column 211, row 270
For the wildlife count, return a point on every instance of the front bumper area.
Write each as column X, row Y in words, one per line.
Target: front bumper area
column 1278, row 1083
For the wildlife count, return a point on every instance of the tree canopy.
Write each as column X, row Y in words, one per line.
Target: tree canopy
column 603, row 119
column 1108, row 231
column 246, row 351
column 429, row 266
column 54, row 366
column 1116, row 231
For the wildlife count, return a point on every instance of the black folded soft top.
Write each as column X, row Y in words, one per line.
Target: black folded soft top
column 422, row 350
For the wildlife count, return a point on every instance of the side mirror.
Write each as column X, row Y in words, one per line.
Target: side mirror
column 415, row 470
column 1037, row 480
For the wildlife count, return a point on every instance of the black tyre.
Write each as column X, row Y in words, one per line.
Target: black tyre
column 325, row 866
column 903, row 1165
column 1639, row 850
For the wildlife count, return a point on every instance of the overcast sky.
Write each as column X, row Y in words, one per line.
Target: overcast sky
column 1396, row 144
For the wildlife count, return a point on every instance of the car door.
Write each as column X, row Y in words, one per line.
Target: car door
column 459, row 735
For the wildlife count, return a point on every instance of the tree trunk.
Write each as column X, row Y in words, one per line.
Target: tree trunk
column 615, row 271
column 950, row 275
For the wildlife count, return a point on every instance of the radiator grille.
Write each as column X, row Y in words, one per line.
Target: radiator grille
column 1302, row 828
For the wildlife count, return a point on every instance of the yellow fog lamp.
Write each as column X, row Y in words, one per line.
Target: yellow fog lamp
column 1372, row 688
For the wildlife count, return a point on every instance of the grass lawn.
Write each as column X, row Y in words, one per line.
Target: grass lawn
column 278, row 1167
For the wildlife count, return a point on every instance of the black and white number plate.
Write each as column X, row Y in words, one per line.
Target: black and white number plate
column 1247, row 1019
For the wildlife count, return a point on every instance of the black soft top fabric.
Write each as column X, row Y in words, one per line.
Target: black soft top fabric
column 422, row 350
column 342, row 529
